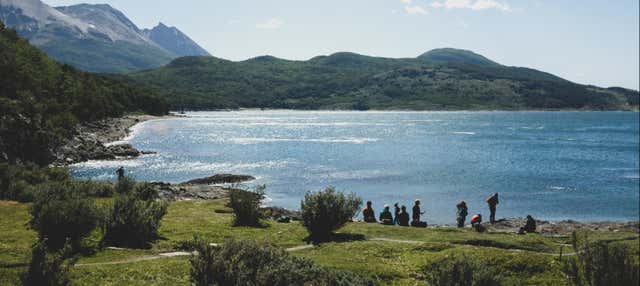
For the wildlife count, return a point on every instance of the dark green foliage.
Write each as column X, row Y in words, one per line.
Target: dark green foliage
column 61, row 212
column 21, row 182
column 326, row 211
column 459, row 270
column 440, row 79
column 449, row 55
column 125, row 185
column 246, row 206
column 135, row 218
column 600, row 263
column 246, row 262
column 48, row 268
column 41, row 100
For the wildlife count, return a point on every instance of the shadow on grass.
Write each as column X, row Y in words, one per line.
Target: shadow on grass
column 336, row 237
column 536, row 247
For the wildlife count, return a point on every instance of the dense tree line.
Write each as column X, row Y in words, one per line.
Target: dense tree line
column 41, row 100
column 449, row 79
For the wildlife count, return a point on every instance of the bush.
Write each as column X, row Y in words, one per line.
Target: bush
column 20, row 182
column 135, row 218
column 246, row 262
column 600, row 263
column 246, row 206
column 61, row 212
column 326, row 211
column 48, row 268
column 125, row 185
column 459, row 270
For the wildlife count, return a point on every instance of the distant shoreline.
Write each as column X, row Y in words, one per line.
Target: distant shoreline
column 636, row 110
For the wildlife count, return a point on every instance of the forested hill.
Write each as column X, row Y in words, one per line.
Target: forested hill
column 442, row 79
column 41, row 101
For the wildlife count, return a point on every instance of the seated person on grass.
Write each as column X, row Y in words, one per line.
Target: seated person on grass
column 386, row 217
column 403, row 217
column 368, row 213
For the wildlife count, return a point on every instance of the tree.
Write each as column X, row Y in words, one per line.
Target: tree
column 326, row 211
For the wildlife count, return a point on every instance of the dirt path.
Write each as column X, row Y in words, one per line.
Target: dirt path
column 293, row 249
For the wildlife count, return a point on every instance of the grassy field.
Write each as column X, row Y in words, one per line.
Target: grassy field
column 393, row 255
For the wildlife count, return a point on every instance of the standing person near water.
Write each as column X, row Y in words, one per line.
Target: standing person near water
column 415, row 215
column 120, row 173
column 396, row 213
column 493, row 202
column 461, row 213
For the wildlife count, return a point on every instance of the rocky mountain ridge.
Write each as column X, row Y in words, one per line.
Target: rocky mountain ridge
column 95, row 37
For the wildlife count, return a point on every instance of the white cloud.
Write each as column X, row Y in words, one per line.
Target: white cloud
column 470, row 4
column 415, row 10
column 412, row 9
column 270, row 24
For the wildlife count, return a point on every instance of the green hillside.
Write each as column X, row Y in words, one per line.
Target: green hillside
column 446, row 79
column 41, row 100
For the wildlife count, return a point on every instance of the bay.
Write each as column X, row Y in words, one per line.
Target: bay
column 552, row 165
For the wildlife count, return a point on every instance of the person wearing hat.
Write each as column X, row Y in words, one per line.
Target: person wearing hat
column 385, row 216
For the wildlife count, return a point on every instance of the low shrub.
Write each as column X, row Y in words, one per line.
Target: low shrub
column 599, row 263
column 246, row 262
column 20, row 182
column 326, row 211
column 246, row 206
column 60, row 212
column 459, row 270
column 135, row 218
column 125, row 185
column 48, row 268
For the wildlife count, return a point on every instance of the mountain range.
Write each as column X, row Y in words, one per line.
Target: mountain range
column 96, row 38
column 441, row 79
column 99, row 38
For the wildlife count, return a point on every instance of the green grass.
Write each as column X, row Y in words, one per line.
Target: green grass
column 522, row 259
column 167, row 271
column 16, row 238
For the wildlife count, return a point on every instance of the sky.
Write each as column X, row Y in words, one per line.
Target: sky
column 587, row 41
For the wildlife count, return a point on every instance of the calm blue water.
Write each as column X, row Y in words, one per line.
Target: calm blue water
column 553, row 165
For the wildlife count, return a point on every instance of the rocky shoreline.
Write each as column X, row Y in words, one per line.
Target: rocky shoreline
column 561, row 228
column 91, row 141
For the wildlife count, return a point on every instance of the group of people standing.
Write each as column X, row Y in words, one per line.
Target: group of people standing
column 401, row 216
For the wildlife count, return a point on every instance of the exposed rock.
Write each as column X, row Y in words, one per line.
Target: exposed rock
column 277, row 213
column 565, row 227
column 90, row 141
column 220, row 179
column 180, row 192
